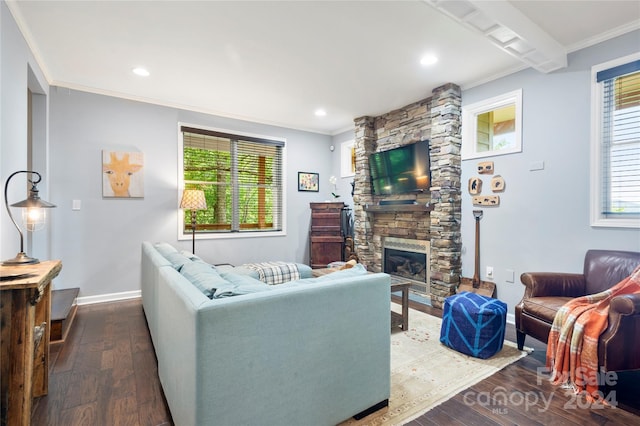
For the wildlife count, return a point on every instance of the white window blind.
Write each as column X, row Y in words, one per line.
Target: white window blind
column 619, row 142
column 242, row 177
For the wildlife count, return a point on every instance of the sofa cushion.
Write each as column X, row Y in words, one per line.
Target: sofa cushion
column 242, row 270
column 305, row 271
column 358, row 269
column 165, row 248
column 339, row 274
column 177, row 260
column 191, row 256
column 203, row 276
column 544, row 308
column 237, row 284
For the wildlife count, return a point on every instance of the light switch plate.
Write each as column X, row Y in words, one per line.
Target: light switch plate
column 536, row 165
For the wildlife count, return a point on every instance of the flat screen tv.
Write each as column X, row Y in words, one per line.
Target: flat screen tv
column 401, row 170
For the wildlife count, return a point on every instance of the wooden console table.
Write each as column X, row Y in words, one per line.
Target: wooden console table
column 25, row 317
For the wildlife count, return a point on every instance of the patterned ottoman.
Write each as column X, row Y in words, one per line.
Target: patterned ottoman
column 473, row 324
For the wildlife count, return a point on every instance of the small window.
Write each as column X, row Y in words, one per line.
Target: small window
column 242, row 178
column 493, row 126
column 615, row 143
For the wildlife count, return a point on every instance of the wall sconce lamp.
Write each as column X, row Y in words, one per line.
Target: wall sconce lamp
column 193, row 199
column 33, row 215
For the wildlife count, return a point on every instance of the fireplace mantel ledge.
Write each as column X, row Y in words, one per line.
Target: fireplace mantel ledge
column 377, row 208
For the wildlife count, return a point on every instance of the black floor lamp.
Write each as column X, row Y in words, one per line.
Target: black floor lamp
column 193, row 199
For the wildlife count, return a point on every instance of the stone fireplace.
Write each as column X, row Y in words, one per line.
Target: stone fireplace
column 407, row 259
column 433, row 216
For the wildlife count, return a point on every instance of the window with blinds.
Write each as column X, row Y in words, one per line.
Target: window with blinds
column 241, row 177
column 619, row 141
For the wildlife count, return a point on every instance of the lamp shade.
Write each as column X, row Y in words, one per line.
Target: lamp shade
column 193, row 199
column 33, row 215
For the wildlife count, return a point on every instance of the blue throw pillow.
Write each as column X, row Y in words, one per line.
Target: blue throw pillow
column 165, row 248
column 177, row 260
column 239, row 284
column 204, row 277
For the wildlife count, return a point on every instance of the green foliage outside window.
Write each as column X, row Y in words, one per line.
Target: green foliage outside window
column 211, row 171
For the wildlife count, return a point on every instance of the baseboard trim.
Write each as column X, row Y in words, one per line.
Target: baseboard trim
column 110, row 297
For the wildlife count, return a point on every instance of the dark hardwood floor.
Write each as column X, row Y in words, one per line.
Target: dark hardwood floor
column 106, row 374
column 520, row 394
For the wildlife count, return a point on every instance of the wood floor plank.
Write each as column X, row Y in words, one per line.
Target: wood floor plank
column 106, row 373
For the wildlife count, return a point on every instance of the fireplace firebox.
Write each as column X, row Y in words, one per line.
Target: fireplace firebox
column 407, row 259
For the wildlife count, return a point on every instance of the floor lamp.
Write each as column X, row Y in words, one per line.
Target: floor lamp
column 193, row 199
column 33, row 215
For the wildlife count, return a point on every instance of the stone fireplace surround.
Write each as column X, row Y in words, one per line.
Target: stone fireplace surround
column 436, row 215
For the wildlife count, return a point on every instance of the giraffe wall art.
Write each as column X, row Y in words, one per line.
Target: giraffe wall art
column 122, row 175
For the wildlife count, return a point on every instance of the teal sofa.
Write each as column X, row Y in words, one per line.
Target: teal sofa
column 314, row 351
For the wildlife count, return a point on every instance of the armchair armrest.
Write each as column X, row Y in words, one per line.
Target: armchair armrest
column 618, row 345
column 627, row 304
column 549, row 284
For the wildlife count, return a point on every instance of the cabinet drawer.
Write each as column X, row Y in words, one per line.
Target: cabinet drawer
column 326, row 239
column 333, row 230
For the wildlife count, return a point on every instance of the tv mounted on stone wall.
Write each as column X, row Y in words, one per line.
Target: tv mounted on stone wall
column 401, row 170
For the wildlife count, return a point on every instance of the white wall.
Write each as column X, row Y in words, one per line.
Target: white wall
column 542, row 223
column 100, row 243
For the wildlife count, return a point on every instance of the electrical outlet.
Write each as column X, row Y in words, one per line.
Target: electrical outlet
column 489, row 272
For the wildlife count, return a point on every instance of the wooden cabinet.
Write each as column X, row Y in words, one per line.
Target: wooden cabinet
column 326, row 237
column 25, row 317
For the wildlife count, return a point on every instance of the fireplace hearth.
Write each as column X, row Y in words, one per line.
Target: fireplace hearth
column 408, row 259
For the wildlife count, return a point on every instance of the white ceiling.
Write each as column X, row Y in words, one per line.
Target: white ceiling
column 276, row 62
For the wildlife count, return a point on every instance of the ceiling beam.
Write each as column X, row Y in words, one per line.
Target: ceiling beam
column 508, row 29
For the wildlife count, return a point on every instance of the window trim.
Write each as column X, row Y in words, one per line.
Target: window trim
column 470, row 124
column 596, row 217
column 230, row 235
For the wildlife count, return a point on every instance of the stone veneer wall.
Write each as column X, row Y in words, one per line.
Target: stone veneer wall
column 438, row 119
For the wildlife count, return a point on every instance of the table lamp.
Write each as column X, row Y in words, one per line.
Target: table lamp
column 33, row 215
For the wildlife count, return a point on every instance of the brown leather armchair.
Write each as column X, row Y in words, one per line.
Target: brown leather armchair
column 546, row 292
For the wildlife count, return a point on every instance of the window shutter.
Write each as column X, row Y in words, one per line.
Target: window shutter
column 620, row 140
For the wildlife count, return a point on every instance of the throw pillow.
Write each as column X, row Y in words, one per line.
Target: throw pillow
column 204, row 277
column 165, row 248
column 178, row 260
column 239, row 284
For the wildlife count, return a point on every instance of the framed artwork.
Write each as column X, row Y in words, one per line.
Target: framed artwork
column 122, row 175
column 309, row 182
column 348, row 159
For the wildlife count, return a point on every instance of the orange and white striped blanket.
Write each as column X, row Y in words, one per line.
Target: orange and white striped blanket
column 572, row 348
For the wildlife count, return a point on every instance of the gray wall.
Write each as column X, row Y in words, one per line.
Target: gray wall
column 542, row 223
column 100, row 243
column 19, row 72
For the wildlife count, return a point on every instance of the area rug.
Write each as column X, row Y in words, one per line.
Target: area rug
column 425, row 373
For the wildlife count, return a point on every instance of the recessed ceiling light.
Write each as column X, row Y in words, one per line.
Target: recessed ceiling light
column 142, row 72
column 320, row 112
column 428, row 60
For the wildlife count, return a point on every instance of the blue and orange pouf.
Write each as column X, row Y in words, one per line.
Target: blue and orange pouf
column 473, row 324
